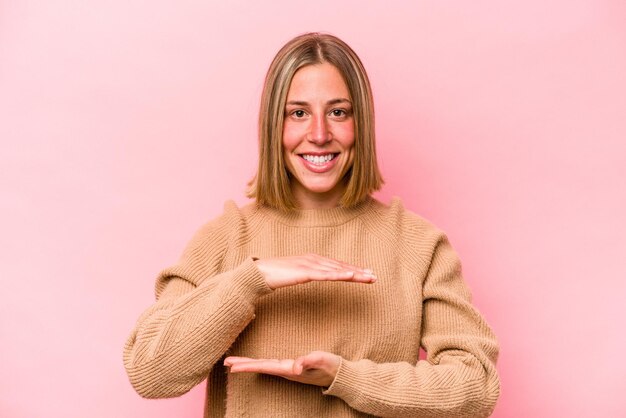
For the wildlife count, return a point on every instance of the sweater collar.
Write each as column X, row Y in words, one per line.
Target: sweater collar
column 316, row 217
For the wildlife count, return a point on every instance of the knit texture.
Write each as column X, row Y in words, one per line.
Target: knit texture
column 214, row 302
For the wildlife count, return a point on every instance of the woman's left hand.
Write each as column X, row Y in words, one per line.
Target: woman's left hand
column 316, row 368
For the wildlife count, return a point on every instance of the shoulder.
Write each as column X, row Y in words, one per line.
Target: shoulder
column 218, row 235
column 412, row 236
column 225, row 229
column 205, row 252
column 395, row 219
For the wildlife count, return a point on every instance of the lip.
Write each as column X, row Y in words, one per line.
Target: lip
column 319, row 168
column 318, row 153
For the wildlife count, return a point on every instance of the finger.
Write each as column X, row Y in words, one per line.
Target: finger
column 242, row 360
column 321, row 361
column 313, row 360
column 334, row 275
column 314, row 265
column 336, row 271
column 360, row 276
column 298, row 366
column 357, row 268
column 315, row 261
column 365, row 278
column 235, row 359
column 334, row 263
column 273, row 367
column 342, row 275
column 349, row 267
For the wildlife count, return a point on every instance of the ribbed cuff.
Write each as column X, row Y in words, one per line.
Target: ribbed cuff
column 346, row 380
column 249, row 281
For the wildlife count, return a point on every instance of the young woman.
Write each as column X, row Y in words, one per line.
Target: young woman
column 314, row 300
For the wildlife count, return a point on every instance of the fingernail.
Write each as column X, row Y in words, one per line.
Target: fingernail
column 368, row 271
column 371, row 277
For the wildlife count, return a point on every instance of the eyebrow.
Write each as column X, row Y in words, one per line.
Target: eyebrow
column 330, row 102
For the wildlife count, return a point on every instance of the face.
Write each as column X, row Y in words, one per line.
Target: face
column 318, row 135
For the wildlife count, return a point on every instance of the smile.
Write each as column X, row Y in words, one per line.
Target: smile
column 318, row 159
column 319, row 163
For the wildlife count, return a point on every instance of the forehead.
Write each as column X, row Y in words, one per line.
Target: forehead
column 318, row 80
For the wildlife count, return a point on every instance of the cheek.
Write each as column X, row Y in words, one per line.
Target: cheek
column 289, row 145
column 290, row 138
column 346, row 136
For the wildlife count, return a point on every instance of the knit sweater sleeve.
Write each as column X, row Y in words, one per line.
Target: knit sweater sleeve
column 200, row 311
column 459, row 376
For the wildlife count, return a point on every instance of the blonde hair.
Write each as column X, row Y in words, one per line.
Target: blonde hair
column 271, row 185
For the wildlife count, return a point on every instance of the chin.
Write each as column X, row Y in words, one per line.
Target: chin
column 319, row 188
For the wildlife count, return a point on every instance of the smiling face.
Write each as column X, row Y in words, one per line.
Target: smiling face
column 318, row 135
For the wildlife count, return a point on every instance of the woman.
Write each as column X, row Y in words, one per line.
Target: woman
column 260, row 305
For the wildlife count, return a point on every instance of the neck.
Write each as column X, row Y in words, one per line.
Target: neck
column 306, row 199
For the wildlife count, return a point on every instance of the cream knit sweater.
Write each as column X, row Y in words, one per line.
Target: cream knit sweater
column 214, row 302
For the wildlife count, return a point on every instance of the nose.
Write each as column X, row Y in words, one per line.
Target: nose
column 319, row 133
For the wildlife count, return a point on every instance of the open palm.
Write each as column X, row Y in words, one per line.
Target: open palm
column 316, row 368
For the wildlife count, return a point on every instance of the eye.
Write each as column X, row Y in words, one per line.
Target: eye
column 339, row 113
column 298, row 113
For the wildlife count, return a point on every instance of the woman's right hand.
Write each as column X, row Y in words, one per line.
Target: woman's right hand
column 290, row 271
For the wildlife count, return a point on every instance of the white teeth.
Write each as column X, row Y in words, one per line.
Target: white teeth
column 318, row 159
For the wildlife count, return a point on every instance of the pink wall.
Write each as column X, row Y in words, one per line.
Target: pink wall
column 125, row 125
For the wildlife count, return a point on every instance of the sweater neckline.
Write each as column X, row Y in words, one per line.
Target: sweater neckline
column 316, row 217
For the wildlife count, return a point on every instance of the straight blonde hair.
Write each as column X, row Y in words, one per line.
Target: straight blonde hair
column 272, row 184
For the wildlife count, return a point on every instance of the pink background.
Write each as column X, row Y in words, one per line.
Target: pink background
column 125, row 125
